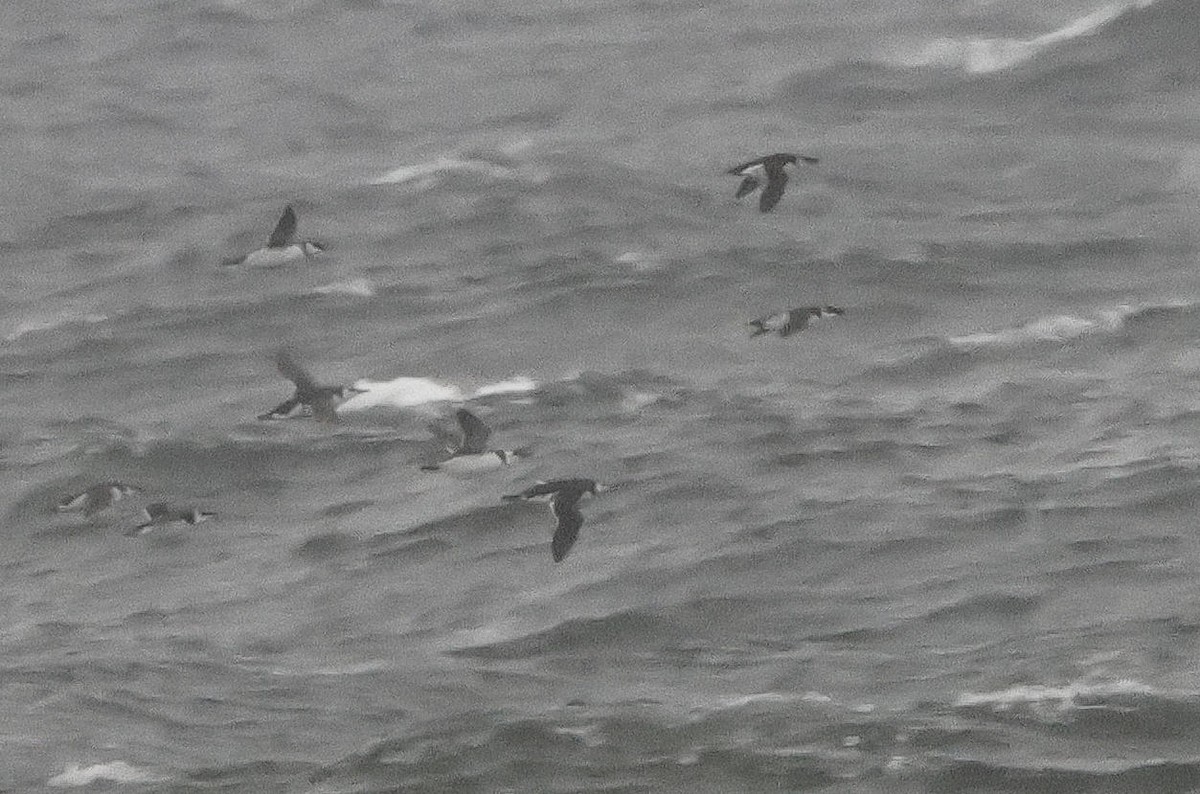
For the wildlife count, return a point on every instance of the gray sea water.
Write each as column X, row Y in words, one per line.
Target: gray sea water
column 945, row 543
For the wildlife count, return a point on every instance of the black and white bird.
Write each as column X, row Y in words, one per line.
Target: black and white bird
column 160, row 514
column 282, row 247
column 310, row 398
column 96, row 498
column 468, row 448
column 564, row 496
column 789, row 322
column 772, row 170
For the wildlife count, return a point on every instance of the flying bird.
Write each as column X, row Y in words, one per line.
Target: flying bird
column 160, row 514
column 791, row 321
column 310, row 397
column 564, row 496
column 468, row 448
column 771, row 169
column 283, row 247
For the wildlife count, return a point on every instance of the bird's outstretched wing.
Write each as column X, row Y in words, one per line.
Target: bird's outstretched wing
column 474, row 433
column 773, row 191
column 738, row 169
column 567, row 531
column 288, row 368
column 796, row 321
column 748, row 185
column 539, row 489
column 323, row 407
column 285, row 230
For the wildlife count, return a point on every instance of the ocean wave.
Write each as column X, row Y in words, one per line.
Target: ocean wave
column 939, row 356
column 978, row 610
column 484, row 751
column 43, row 323
column 491, row 166
column 1157, row 775
column 359, row 287
column 1055, row 328
column 981, row 55
column 409, row 392
column 1126, row 701
column 518, row 384
column 76, row 775
column 623, row 629
column 631, row 391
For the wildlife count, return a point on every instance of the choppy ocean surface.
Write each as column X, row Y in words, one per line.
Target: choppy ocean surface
column 945, row 543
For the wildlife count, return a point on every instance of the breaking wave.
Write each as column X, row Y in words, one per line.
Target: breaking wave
column 982, row 54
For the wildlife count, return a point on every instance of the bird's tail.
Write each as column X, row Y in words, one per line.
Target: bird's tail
column 759, row 330
column 512, row 497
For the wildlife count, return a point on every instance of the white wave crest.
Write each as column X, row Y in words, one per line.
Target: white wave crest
column 49, row 323
column 76, row 775
column 515, row 385
column 980, row 55
column 1054, row 702
column 425, row 175
column 361, row 287
column 402, row 392
column 1058, row 328
column 407, row 392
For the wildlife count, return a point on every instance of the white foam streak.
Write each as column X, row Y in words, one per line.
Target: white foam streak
column 116, row 771
column 980, row 55
column 1063, row 697
column 1058, row 328
column 408, row 392
column 516, row 385
column 428, row 174
column 35, row 325
column 361, row 287
column 403, row 392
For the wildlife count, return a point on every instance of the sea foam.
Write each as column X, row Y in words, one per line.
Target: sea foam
column 981, row 55
column 76, row 775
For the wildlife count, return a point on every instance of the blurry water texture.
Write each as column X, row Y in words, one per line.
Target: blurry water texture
column 943, row 543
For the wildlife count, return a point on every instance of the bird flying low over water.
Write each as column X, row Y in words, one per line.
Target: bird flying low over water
column 793, row 320
column 468, row 448
column 309, row 397
column 160, row 514
column 282, row 247
column 96, row 498
column 771, row 169
column 564, row 496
